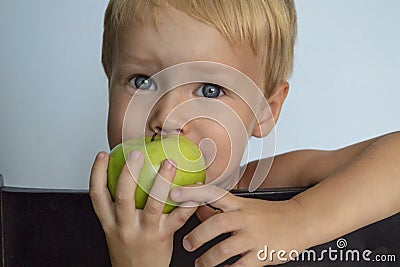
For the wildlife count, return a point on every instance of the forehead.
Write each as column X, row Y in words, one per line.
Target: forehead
column 173, row 37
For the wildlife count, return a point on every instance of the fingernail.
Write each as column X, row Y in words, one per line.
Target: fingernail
column 100, row 155
column 186, row 244
column 196, row 263
column 167, row 164
column 135, row 155
column 175, row 193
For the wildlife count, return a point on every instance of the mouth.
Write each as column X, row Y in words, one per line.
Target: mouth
column 163, row 133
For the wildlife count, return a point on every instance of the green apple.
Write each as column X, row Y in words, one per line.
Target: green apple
column 188, row 158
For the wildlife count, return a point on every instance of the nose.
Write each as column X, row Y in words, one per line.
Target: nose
column 163, row 118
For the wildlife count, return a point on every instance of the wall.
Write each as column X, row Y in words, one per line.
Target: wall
column 53, row 93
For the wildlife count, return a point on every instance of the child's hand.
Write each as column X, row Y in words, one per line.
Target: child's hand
column 253, row 223
column 135, row 237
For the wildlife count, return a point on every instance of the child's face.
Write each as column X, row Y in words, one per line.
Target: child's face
column 196, row 110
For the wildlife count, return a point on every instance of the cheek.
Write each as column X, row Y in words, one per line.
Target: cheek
column 216, row 149
column 247, row 118
column 224, row 153
column 230, row 135
column 116, row 112
column 128, row 116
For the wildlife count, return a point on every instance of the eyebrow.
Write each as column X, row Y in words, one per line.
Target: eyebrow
column 139, row 60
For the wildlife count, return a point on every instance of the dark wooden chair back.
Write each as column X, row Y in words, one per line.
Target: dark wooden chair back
column 45, row 227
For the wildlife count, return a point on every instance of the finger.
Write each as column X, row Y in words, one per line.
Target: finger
column 224, row 250
column 178, row 217
column 98, row 191
column 125, row 191
column 204, row 212
column 212, row 194
column 216, row 225
column 249, row 259
column 159, row 193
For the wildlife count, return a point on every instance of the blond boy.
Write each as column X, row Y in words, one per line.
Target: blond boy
column 256, row 38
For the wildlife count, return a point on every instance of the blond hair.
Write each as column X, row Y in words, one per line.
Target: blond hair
column 269, row 27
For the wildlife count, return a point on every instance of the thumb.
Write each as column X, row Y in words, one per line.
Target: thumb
column 218, row 197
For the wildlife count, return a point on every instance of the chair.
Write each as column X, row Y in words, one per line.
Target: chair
column 46, row 227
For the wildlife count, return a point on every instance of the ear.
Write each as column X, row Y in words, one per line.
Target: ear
column 275, row 102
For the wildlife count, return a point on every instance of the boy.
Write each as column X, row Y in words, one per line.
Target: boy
column 147, row 42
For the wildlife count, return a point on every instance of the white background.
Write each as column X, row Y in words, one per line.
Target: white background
column 53, row 93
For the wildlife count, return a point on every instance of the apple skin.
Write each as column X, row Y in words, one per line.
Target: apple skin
column 188, row 158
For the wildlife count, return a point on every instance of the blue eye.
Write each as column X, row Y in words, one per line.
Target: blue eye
column 143, row 82
column 209, row 90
